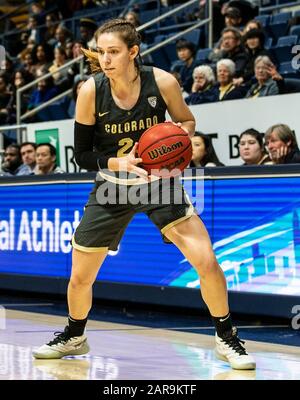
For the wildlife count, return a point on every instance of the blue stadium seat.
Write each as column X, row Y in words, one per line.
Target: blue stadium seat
column 283, row 49
column 202, row 55
column 287, row 71
column 281, row 17
column 263, row 19
column 287, row 40
column 148, row 15
column 277, row 30
column 295, row 30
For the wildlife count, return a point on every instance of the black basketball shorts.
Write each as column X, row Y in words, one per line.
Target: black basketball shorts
column 113, row 202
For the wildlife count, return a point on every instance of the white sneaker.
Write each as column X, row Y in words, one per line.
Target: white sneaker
column 230, row 349
column 63, row 345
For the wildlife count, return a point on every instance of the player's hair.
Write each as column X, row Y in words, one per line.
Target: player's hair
column 127, row 33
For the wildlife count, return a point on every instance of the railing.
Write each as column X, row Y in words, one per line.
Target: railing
column 277, row 6
column 154, row 21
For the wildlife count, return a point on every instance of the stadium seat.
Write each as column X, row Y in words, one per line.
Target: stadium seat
column 283, row 49
column 281, row 17
column 295, row 30
column 287, row 40
column 263, row 19
column 287, row 71
column 202, row 55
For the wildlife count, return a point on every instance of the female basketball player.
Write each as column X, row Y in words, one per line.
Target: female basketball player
column 114, row 108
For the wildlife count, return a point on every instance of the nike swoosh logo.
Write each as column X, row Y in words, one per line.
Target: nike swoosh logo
column 102, row 114
column 224, row 319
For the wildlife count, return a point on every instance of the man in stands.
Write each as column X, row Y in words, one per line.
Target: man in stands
column 46, row 160
column 12, row 165
column 230, row 47
column 27, row 150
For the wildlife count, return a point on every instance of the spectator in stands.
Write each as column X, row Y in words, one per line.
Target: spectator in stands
column 35, row 33
column 178, row 78
column 74, row 70
column 88, row 27
column 62, row 36
column 186, row 64
column 9, row 71
column 12, row 165
column 204, row 80
column 42, row 55
column 226, row 89
column 233, row 17
column 21, row 78
column 230, row 47
column 133, row 17
column 265, row 85
column 254, row 41
column 45, row 91
column 51, row 26
column 60, row 78
column 76, row 87
column 27, row 150
column 28, row 64
column 4, row 98
column 204, row 154
column 38, row 12
column 282, row 144
column 252, row 149
column 252, row 24
column 46, row 160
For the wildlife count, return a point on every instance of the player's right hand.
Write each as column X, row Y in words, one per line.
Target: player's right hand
column 130, row 163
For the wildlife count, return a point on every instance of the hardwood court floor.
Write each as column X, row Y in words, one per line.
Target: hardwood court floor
column 123, row 352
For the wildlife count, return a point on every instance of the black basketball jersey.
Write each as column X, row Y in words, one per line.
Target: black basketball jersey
column 116, row 129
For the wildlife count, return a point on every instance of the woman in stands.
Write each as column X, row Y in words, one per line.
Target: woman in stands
column 252, row 149
column 265, row 85
column 282, row 144
column 204, row 154
column 111, row 111
column 204, row 79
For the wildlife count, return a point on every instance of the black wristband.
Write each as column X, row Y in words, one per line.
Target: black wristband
column 83, row 148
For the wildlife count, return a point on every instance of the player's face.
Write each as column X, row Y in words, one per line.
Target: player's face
column 250, row 150
column 113, row 54
column 199, row 150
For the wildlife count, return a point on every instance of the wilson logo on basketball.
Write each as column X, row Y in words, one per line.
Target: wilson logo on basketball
column 161, row 151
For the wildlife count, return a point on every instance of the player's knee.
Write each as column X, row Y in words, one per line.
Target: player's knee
column 78, row 281
column 207, row 265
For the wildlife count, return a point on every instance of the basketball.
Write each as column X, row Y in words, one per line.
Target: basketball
column 165, row 149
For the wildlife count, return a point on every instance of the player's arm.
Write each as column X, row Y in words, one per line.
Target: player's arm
column 84, row 129
column 177, row 108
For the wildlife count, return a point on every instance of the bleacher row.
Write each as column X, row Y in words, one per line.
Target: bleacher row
column 280, row 41
column 280, row 37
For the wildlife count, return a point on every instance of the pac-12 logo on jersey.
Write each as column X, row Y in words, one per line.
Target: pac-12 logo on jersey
column 152, row 101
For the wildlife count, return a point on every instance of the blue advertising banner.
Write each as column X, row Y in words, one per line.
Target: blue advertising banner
column 253, row 223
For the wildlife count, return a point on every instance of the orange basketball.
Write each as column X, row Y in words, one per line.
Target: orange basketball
column 165, row 149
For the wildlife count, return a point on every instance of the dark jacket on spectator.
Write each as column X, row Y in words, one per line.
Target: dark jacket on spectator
column 213, row 94
column 186, row 73
column 292, row 158
column 239, row 56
